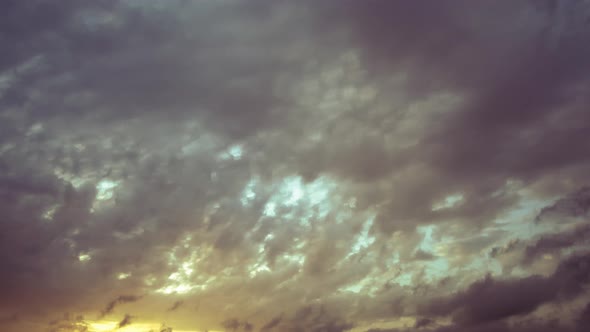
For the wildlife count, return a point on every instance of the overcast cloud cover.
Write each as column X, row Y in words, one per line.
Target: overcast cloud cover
column 284, row 166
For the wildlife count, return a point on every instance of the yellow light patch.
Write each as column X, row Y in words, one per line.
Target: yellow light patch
column 84, row 257
column 109, row 326
column 102, row 326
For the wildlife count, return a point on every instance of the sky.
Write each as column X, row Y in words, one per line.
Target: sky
column 294, row 166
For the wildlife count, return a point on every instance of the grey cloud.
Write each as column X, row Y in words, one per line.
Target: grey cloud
column 176, row 305
column 309, row 318
column 423, row 322
column 119, row 300
column 125, row 321
column 68, row 323
column 507, row 298
column 423, row 255
column 527, row 325
column 272, row 323
column 99, row 57
column 569, row 234
column 501, row 302
column 576, row 204
column 584, row 317
column 555, row 243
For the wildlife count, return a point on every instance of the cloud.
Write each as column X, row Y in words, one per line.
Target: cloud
column 119, row 300
column 272, row 323
column 537, row 324
column 423, row 255
column 470, row 309
column 584, row 317
column 423, row 322
column 576, row 205
column 125, row 321
column 555, row 243
column 176, row 305
column 68, row 323
column 507, row 298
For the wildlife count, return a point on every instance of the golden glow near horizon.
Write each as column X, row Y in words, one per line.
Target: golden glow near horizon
column 109, row 326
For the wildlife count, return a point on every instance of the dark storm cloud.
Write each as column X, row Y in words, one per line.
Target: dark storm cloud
column 530, row 325
column 492, row 300
column 579, row 324
column 501, row 303
column 575, row 205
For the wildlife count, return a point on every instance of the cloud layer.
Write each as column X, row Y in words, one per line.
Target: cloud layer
column 294, row 166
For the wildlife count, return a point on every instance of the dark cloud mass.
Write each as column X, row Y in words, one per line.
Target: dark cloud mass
column 288, row 166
